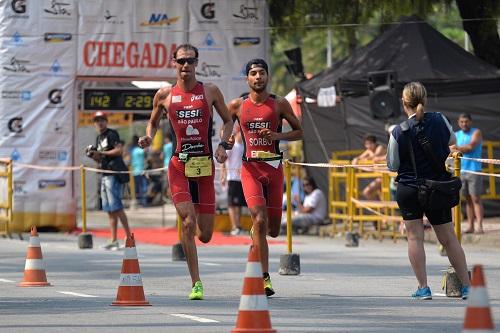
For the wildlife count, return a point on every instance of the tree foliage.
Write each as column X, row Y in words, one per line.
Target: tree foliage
column 355, row 23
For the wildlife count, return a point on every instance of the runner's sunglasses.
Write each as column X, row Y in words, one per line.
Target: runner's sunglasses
column 182, row 61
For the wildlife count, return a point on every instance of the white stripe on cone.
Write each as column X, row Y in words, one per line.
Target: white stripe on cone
column 478, row 298
column 32, row 264
column 253, row 270
column 131, row 280
column 34, row 241
column 130, row 253
column 253, row 303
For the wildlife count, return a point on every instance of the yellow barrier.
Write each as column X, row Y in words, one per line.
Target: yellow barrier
column 491, row 192
column 6, row 206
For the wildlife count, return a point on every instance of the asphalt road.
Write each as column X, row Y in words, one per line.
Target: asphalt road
column 341, row 289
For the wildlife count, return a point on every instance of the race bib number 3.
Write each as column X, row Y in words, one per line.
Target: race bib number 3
column 200, row 166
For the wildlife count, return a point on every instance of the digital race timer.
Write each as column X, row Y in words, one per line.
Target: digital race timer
column 117, row 99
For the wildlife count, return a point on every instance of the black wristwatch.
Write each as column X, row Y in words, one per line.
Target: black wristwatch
column 225, row 145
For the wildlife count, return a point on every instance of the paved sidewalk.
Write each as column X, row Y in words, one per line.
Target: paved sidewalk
column 144, row 217
column 166, row 217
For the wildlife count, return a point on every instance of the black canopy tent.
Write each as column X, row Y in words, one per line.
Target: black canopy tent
column 456, row 82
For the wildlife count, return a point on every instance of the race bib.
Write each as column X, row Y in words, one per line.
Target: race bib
column 199, row 166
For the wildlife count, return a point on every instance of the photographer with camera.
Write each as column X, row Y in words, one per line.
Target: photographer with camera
column 108, row 154
column 417, row 151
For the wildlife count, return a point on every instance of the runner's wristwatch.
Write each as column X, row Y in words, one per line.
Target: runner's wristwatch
column 225, row 145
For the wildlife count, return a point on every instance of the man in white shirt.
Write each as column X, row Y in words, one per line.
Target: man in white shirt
column 230, row 176
column 312, row 211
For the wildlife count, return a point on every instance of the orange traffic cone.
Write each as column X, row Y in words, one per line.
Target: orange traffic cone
column 34, row 269
column 253, row 316
column 478, row 314
column 130, row 291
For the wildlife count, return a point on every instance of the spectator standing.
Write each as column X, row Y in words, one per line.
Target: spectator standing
column 414, row 167
column 230, row 172
column 137, row 162
column 470, row 144
column 108, row 154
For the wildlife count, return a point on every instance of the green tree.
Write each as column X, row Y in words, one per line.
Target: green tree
column 355, row 23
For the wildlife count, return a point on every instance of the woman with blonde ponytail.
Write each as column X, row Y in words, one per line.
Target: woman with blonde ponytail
column 405, row 141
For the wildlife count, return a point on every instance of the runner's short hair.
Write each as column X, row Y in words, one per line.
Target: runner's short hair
column 260, row 62
column 186, row 47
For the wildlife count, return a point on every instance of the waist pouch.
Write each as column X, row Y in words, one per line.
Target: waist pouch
column 438, row 195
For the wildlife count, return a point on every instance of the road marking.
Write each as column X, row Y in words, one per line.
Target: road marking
column 75, row 294
column 211, row 264
column 439, row 294
column 319, row 279
column 5, row 280
column 195, row 318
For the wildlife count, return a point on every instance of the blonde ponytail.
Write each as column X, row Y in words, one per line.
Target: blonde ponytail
column 415, row 97
column 420, row 112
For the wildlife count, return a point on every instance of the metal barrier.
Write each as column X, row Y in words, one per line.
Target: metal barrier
column 6, row 196
column 491, row 188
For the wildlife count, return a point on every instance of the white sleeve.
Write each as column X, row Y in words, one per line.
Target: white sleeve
column 393, row 154
column 312, row 199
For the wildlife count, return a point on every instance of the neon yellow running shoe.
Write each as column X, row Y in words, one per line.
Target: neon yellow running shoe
column 268, row 286
column 197, row 291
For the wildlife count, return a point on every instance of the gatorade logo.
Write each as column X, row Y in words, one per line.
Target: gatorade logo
column 55, row 96
column 208, row 10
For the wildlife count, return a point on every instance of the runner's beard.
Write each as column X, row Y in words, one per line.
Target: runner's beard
column 259, row 89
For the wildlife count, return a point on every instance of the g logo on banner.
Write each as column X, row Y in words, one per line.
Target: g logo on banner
column 18, row 6
column 55, row 96
column 208, row 10
column 16, row 125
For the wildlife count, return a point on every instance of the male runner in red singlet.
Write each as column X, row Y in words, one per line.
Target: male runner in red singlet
column 188, row 106
column 260, row 116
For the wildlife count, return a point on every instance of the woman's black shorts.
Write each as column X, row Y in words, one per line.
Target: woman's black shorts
column 407, row 199
column 235, row 196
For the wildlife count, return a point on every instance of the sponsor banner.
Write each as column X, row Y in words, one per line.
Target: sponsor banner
column 206, row 13
column 130, row 42
column 110, row 17
column 59, row 16
column 26, row 57
column 19, row 15
column 160, row 15
column 33, row 183
column 59, row 10
column 248, row 12
column 40, row 108
column 18, row 56
column 105, row 56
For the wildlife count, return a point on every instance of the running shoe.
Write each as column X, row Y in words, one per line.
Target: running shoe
column 465, row 292
column 111, row 245
column 197, row 291
column 235, row 232
column 422, row 293
column 268, row 286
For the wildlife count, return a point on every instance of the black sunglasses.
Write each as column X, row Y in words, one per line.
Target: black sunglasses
column 182, row 61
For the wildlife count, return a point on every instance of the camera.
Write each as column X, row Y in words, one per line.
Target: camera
column 90, row 150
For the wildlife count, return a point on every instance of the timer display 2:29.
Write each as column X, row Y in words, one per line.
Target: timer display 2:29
column 118, row 99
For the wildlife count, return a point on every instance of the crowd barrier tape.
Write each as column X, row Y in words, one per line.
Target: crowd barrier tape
column 356, row 171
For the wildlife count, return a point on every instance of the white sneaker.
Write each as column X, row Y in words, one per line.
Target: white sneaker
column 113, row 246
column 235, row 232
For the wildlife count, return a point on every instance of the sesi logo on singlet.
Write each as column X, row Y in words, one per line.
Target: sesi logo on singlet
column 255, row 126
column 189, row 114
